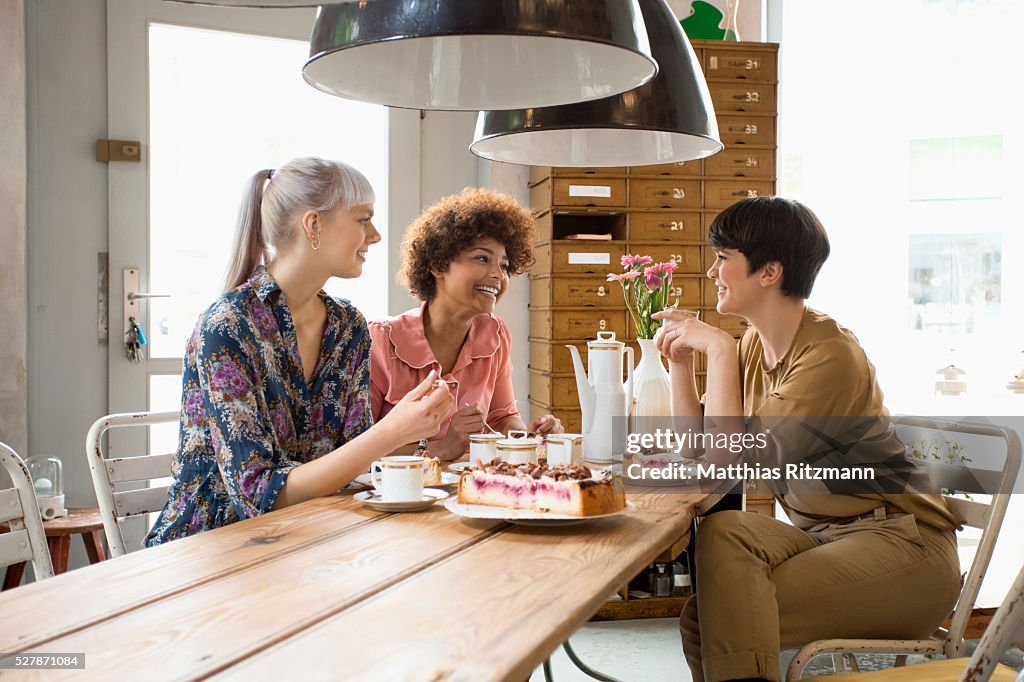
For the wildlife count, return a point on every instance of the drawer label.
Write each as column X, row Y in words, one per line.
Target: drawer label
column 590, row 258
column 604, row 191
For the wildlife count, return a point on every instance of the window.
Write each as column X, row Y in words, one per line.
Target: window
column 210, row 134
column 899, row 128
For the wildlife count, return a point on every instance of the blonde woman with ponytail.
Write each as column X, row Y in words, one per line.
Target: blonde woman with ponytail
column 275, row 396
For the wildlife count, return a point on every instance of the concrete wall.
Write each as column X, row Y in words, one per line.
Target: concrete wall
column 67, row 228
column 13, row 189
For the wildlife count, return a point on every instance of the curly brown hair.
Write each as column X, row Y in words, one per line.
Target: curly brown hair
column 452, row 225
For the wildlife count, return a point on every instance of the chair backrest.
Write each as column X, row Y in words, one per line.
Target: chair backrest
column 986, row 516
column 26, row 540
column 1006, row 629
column 110, row 475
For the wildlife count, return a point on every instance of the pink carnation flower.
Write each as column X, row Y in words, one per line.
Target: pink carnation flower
column 661, row 267
column 629, row 261
column 655, row 275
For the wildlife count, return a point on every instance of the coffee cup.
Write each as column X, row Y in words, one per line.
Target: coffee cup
column 518, row 448
column 398, row 478
column 483, row 446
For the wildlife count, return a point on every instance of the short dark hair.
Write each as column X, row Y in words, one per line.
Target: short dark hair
column 766, row 229
column 453, row 224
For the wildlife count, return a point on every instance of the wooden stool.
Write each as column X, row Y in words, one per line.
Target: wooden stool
column 84, row 522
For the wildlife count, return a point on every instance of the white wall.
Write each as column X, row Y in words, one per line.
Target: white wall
column 13, row 181
column 447, row 167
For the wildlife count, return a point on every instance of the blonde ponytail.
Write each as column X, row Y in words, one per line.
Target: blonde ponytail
column 249, row 249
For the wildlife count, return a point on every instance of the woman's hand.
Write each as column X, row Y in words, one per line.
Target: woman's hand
column 468, row 420
column 682, row 334
column 548, row 423
column 420, row 413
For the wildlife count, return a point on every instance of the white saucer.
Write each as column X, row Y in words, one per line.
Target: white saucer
column 448, row 480
column 372, row 499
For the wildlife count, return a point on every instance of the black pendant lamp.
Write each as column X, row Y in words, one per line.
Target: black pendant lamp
column 668, row 119
column 263, row 3
column 469, row 55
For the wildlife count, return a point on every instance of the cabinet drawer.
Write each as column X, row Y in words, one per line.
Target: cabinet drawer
column 553, row 357
column 686, row 258
column 710, row 288
column 596, row 191
column 572, row 419
column 742, row 163
column 576, row 324
column 731, row 323
column 594, row 291
column 539, row 173
column 688, row 290
column 547, row 356
column 743, row 96
column 681, row 193
column 760, row 503
column 722, row 193
column 684, row 168
column 578, row 258
column 737, row 129
column 558, row 390
column 668, row 227
column 756, row 65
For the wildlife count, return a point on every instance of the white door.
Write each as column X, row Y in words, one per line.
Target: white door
column 214, row 95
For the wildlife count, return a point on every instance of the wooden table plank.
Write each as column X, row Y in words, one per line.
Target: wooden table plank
column 225, row 621
column 141, row 578
column 491, row 612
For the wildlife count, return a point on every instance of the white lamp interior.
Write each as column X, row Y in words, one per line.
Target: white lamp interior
column 594, row 147
column 457, row 72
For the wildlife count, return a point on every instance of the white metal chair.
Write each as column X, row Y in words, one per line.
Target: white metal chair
column 1005, row 630
column 987, row 517
column 109, row 475
column 26, row 540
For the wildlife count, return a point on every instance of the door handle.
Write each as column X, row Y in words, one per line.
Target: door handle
column 135, row 295
column 131, row 297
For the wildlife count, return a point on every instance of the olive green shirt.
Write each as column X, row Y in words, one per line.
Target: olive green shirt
column 826, row 373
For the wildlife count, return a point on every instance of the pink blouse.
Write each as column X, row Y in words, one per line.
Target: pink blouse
column 400, row 358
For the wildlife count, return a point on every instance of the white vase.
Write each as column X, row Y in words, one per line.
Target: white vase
column 651, row 385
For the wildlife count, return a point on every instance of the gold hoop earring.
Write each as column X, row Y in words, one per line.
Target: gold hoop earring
column 315, row 241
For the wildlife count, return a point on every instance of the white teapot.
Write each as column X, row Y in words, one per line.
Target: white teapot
column 603, row 395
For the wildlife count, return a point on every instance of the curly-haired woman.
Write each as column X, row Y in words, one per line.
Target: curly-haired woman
column 457, row 258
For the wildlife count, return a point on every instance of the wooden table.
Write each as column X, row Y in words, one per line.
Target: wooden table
column 84, row 522
column 331, row 589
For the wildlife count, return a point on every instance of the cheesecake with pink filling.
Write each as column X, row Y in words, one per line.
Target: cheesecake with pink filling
column 563, row 489
column 431, row 471
column 648, row 460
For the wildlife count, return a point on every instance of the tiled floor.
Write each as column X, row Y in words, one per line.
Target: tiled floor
column 649, row 651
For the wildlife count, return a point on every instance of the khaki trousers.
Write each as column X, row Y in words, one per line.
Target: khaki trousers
column 764, row 585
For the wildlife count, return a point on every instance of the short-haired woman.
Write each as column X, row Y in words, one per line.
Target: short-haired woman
column 857, row 562
column 457, row 258
column 275, row 388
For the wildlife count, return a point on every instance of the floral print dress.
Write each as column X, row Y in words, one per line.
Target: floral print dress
column 248, row 416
